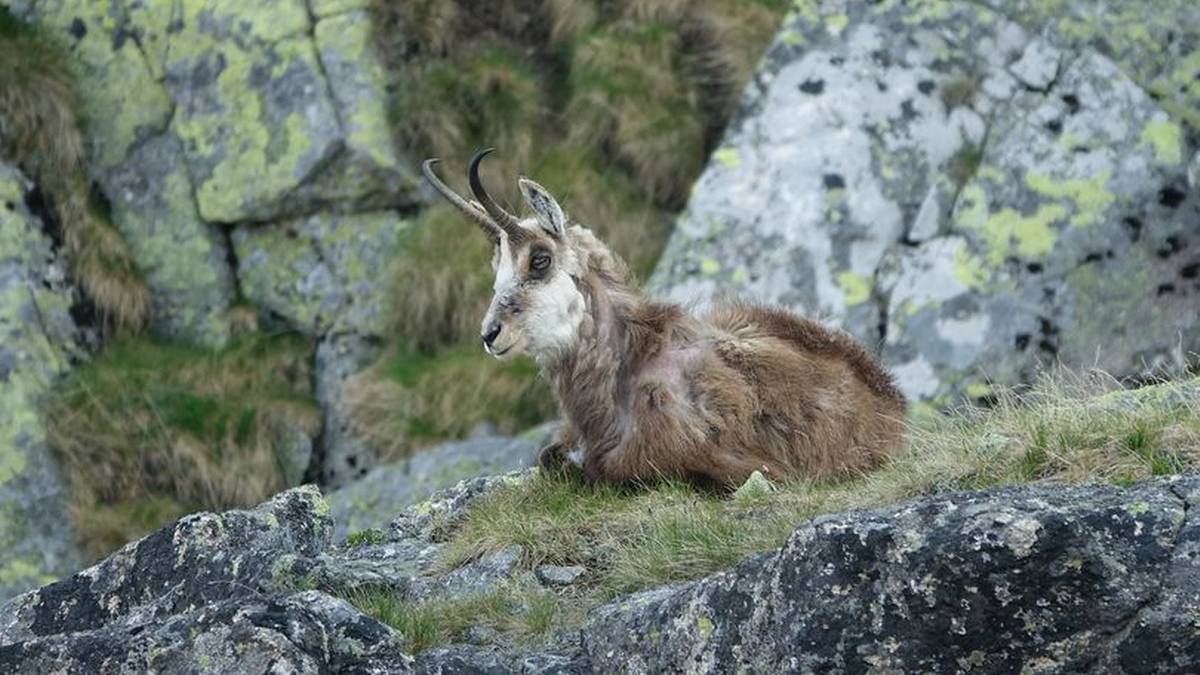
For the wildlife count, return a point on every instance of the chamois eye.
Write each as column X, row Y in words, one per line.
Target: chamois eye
column 540, row 262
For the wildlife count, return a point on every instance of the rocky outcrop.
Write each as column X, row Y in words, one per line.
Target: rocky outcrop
column 1039, row 578
column 38, row 338
column 1047, row 578
column 977, row 198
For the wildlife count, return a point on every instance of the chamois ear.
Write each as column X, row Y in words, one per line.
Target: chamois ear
column 547, row 211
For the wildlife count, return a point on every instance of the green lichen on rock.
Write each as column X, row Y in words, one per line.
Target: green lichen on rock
column 1089, row 197
column 1157, row 45
column 122, row 100
column 184, row 258
column 321, row 272
column 37, row 341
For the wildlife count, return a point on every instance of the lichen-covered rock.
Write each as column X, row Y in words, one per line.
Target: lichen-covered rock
column 345, row 456
column 202, row 115
column 374, row 500
column 978, row 199
column 200, row 559
column 404, row 556
column 185, row 260
column 306, row 632
column 38, row 339
column 559, row 575
column 321, row 273
column 1045, row 578
column 279, row 115
column 1158, row 45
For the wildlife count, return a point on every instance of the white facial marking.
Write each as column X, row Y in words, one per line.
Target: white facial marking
column 506, row 272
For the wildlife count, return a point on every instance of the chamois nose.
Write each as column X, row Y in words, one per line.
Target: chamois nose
column 490, row 336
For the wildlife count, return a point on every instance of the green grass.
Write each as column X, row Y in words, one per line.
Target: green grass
column 370, row 537
column 40, row 131
column 631, row 539
column 965, row 163
column 516, row 613
column 147, row 432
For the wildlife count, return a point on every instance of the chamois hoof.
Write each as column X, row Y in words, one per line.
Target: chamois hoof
column 552, row 458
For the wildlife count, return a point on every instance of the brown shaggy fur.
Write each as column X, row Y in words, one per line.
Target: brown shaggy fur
column 650, row 391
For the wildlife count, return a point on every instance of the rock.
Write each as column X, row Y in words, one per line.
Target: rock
column 1158, row 48
column 184, row 259
column 558, row 575
column 861, row 159
column 38, row 340
column 302, row 633
column 1069, row 579
column 374, row 500
column 756, row 486
column 204, row 116
column 1038, row 66
column 321, row 273
column 201, row 559
column 406, row 558
column 260, row 113
column 344, row 456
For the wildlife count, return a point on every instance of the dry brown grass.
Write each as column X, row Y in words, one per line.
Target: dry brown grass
column 410, row 399
column 148, row 432
column 39, row 130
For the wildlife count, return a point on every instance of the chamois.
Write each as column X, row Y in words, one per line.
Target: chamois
column 648, row 390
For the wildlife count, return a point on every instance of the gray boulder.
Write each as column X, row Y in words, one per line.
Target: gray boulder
column 374, row 500
column 975, row 199
column 38, row 341
column 1043, row 578
column 199, row 560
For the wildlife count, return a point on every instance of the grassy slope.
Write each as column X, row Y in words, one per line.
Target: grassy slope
column 612, row 105
column 631, row 539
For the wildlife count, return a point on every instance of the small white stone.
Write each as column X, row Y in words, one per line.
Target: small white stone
column 1038, row 65
column 925, row 225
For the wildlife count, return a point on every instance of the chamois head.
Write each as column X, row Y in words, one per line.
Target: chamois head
column 537, row 306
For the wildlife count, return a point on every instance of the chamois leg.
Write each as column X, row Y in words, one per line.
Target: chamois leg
column 552, row 458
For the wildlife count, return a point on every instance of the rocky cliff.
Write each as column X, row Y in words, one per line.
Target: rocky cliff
column 38, row 338
column 1048, row 578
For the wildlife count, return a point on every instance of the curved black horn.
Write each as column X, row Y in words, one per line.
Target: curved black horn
column 507, row 221
column 469, row 210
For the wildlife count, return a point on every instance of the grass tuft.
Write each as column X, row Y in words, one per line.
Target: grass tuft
column 372, row 537
column 148, row 432
column 961, row 91
column 965, row 163
column 516, row 613
column 39, row 129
